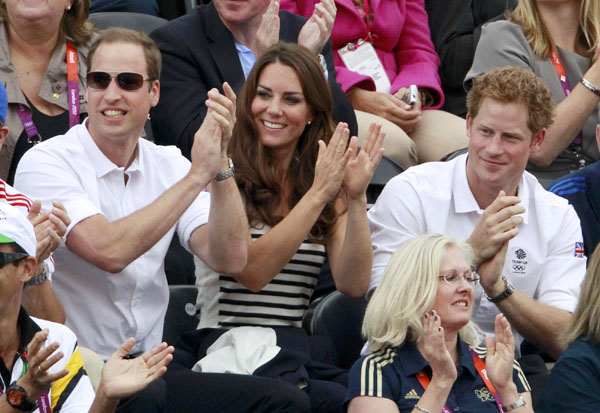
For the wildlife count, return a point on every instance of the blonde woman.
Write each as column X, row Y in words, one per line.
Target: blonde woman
column 557, row 40
column 574, row 384
column 425, row 348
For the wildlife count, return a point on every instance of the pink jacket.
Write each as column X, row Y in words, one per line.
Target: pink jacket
column 401, row 39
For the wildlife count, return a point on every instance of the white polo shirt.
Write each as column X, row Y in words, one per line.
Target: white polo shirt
column 543, row 261
column 104, row 309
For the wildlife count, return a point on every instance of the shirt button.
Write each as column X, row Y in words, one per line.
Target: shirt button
column 57, row 87
column 135, row 303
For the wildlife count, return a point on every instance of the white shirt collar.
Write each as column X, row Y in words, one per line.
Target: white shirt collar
column 101, row 164
column 464, row 200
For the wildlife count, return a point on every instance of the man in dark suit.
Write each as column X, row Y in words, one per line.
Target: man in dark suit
column 202, row 49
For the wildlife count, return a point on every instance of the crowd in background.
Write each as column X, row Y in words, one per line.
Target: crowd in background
column 252, row 130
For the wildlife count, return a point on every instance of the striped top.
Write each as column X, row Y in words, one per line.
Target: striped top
column 12, row 197
column 224, row 302
column 391, row 373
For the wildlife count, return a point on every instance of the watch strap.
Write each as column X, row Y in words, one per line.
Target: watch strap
column 44, row 276
column 515, row 405
column 226, row 173
column 504, row 294
column 16, row 396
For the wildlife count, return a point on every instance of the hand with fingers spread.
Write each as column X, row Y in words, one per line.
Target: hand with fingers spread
column 362, row 165
column 331, row 164
column 267, row 33
column 317, row 29
column 500, row 354
column 498, row 224
column 123, row 377
column 433, row 348
column 38, row 378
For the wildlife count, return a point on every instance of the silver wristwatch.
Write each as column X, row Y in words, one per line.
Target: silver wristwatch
column 520, row 402
column 226, row 173
column 44, row 276
column 504, row 294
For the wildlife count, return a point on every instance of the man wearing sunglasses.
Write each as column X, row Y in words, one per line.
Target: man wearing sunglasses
column 38, row 298
column 126, row 198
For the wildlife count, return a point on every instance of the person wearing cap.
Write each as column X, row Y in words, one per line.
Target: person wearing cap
column 40, row 364
column 38, row 298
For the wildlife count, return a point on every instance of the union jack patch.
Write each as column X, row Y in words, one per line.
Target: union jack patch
column 579, row 251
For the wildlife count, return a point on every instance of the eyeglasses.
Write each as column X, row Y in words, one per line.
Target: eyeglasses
column 126, row 80
column 8, row 257
column 453, row 278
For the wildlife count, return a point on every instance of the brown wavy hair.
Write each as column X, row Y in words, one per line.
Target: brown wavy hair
column 74, row 25
column 510, row 84
column 257, row 172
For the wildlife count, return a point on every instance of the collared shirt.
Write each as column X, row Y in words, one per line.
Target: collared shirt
column 72, row 393
column 543, row 261
column 391, row 373
column 53, row 90
column 105, row 309
column 247, row 58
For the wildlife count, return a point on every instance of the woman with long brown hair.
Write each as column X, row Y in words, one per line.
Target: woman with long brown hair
column 304, row 189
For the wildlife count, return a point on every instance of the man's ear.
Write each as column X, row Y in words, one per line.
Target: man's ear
column 28, row 266
column 469, row 124
column 536, row 140
column 155, row 92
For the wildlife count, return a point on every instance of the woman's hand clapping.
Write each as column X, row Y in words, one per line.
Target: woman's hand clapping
column 362, row 165
column 500, row 354
column 433, row 348
column 331, row 164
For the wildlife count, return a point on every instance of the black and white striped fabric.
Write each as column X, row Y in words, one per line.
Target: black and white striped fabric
column 223, row 302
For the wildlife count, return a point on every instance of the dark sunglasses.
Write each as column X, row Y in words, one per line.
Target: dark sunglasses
column 126, row 80
column 8, row 257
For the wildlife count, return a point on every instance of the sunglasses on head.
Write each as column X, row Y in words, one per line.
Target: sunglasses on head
column 126, row 80
column 8, row 257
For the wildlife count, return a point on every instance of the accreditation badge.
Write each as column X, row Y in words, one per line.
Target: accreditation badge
column 361, row 57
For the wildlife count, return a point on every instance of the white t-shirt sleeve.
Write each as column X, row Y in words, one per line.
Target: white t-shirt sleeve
column 564, row 268
column 46, row 176
column 396, row 217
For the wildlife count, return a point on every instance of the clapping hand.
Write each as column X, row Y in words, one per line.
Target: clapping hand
column 362, row 165
column 317, row 30
column 123, row 377
column 49, row 227
column 497, row 225
column 433, row 348
column 38, row 378
column 331, row 164
column 500, row 353
column 267, row 33
column 223, row 108
column 212, row 138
